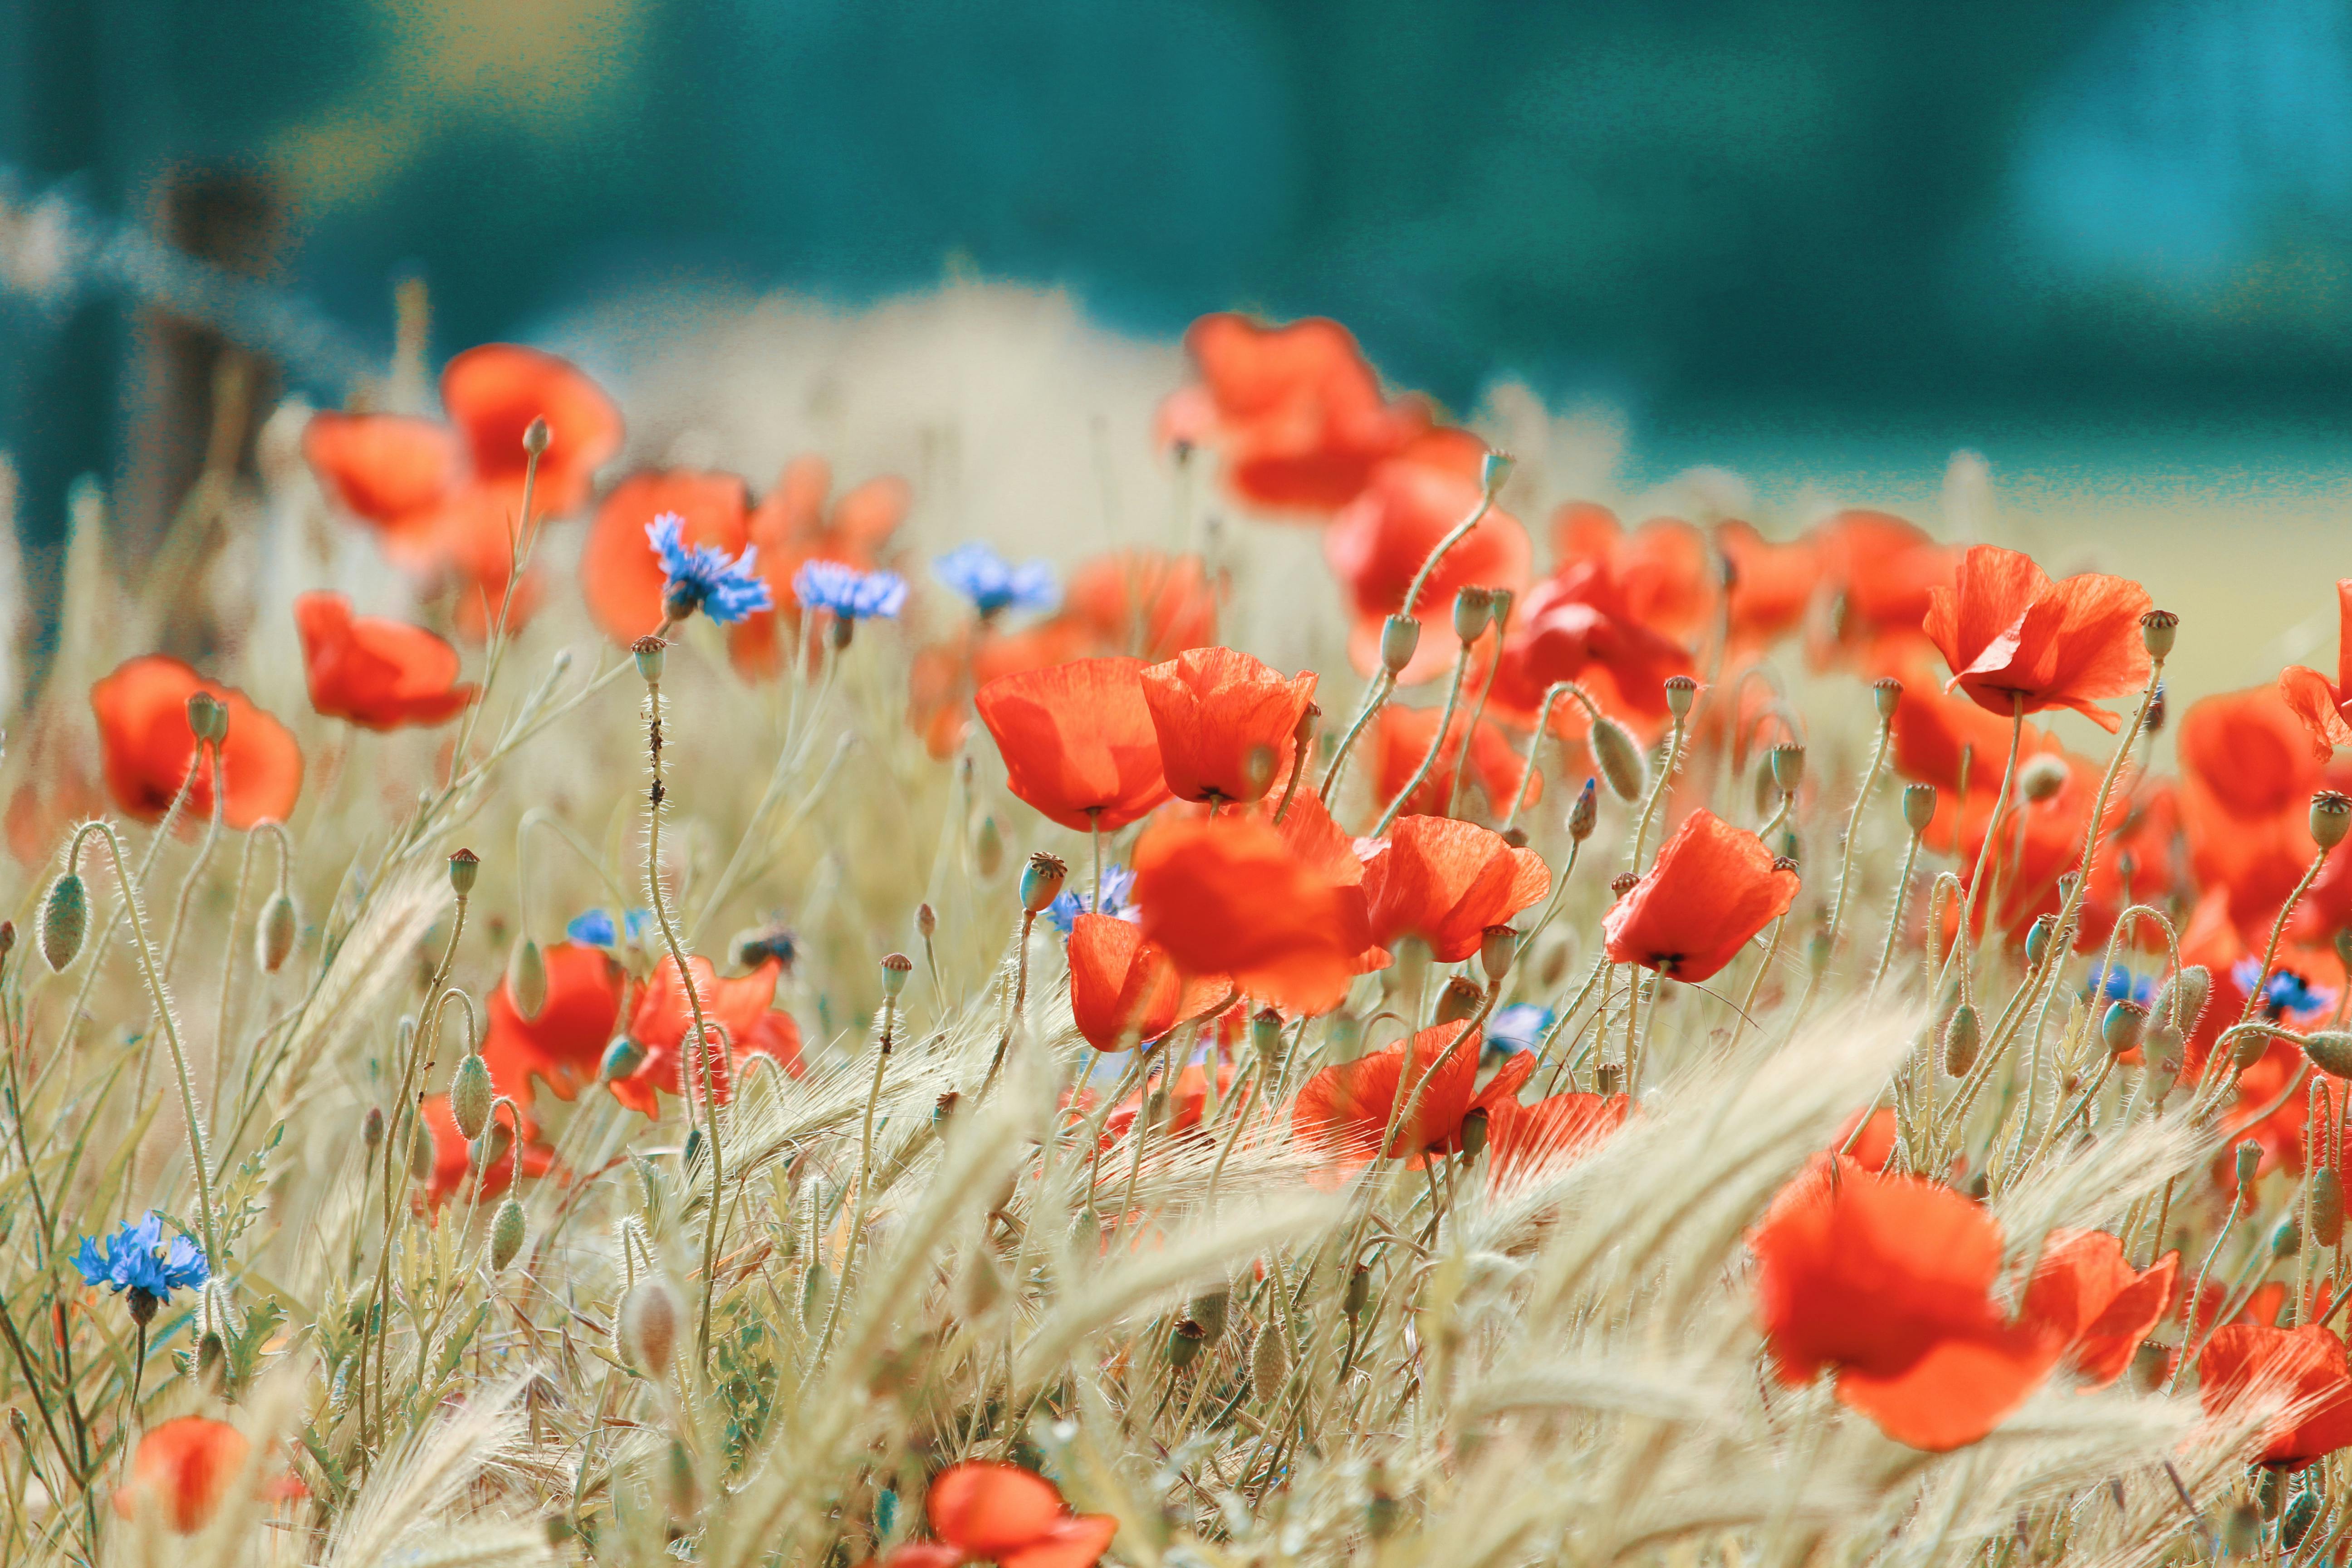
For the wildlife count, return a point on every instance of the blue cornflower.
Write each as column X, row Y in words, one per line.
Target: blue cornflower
column 1117, row 900
column 137, row 1259
column 704, row 577
column 994, row 584
column 849, row 593
column 2287, row 992
column 595, row 928
column 1517, row 1027
column 2119, row 985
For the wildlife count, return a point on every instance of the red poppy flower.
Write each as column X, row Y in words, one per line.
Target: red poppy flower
column 392, row 470
column 2140, row 861
column 1401, row 738
column 2085, row 1291
column 1144, row 602
column 1226, row 722
column 564, row 1046
column 2247, row 778
column 1886, row 1281
column 1122, row 989
column 944, row 675
column 1186, row 1103
column 453, row 1156
column 984, row 1512
column 1300, row 413
column 1878, row 573
column 1578, row 624
column 2325, row 707
column 2302, row 1371
column 1376, row 547
column 1344, row 1110
column 1659, row 576
column 493, row 392
column 1079, row 741
column 1770, row 586
column 1555, row 1130
column 620, row 576
column 183, row 1469
column 792, row 526
column 1711, row 889
column 2040, row 841
column 1445, row 882
column 2008, row 632
column 662, row 1018
column 147, row 747
column 1876, row 1145
column 378, row 673
column 1230, row 896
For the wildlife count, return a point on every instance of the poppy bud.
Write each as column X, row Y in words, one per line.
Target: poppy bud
column 1681, row 692
column 1918, row 806
column 1788, row 761
column 2330, row 1050
column 1963, row 1033
column 207, row 718
column 2242, row 1532
column 1817, row 951
column 926, row 921
column 1457, row 1001
column 1619, row 759
column 1473, row 607
column 1257, row 770
column 2037, row 939
column 2326, row 1206
column 2180, row 1001
column 526, row 979
column 2155, row 632
column 1886, row 695
column 1382, row 1513
column 1041, row 881
column 1474, row 1133
column 2125, row 1023
column 2297, row 1523
column 988, row 849
column 65, row 917
column 1360, row 1291
column 1607, row 1078
column 1184, row 1344
column 2344, row 947
column 1269, row 1360
column 895, row 967
column 623, row 1058
column 2331, row 813
column 506, row 1231
column 2041, row 777
column 650, row 652
column 1497, row 947
column 685, row 1495
column 273, row 937
column 1265, row 1036
column 1585, row 813
column 371, row 1128
column 535, row 438
column 469, row 1096
column 1400, row 637
column 2286, row 1237
column 1210, row 1310
column 2162, row 1052
column 464, row 867
column 1516, row 836
column 2155, row 719
column 1495, row 471
column 424, row 1151
column 2250, row 1048
column 2249, row 1158
column 648, row 1324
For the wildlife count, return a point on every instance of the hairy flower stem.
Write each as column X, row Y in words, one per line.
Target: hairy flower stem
column 1479, row 709
column 1894, row 916
column 1845, row 863
column 1657, row 792
column 163, row 834
column 1374, row 695
column 1755, row 982
column 229, row 949
column 1543, row 721
column 2278, row 930
column 1020, row 1000
column 865, row 1185
column 1461, row 531
column 1964, row 943
column 1437, row 744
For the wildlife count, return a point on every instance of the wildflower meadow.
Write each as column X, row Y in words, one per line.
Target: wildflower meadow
column 567, row 1008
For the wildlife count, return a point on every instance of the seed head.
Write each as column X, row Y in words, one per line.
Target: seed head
column 1041, row 881
column 895, row 967
column 207, row 718
column 1918, row 806
column 1184, row 1343
column 465, row 866
column 1788, row 760
column 527, row 978
column 1400, row 637
column 1681, row 692
column 2123, row 1026
column 273, row 939
column 2249, row 1157
column 2157, row 628
column 2331, row 816
column 649, row 652
column 1887, row 694
column 2037, row 939
column 1265, row 1036
column 1498, row 946
column 1457, row 1001
column 1473, row 608
column 65, row 918
column 1622, row 883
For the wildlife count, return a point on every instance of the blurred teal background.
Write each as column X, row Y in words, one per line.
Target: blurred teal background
column 1758, row 225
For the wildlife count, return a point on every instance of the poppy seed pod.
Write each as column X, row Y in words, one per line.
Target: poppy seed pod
column 469, row 1096
column 1041, row 881
column 465, row 866
column 65, row 920
column 2041, row 777
column 2330, row 1050
column 2248, row 1158
column 1400, row 638
column 1607, row 1079
column 1457, row 1001
column 988, row 849
column 2331, row 814
column 273, row 939
column 1963, row 1033
column 1265, row 1036
column 2037, row 939
column 1623, row 882
column 895, row 967
column 1184, row 1343
column 207, row 717
column 1585, row 813
column 651, row 653
column 1494, row 472
column 508, row 1229
column 1473, row 610
column 1788, row 761
column 1269, row 1360
column 1681, row 692
column 2157, row 628
column 1886, row 695
column 1620, row 760
column 2326, row 1206
column 622, row 1059
column 1918, row 806
column 2123, row 1026
column 527, row 978
column 1498, row 946
column 648, row 1324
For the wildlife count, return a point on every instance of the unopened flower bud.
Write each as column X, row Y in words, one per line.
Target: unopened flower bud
column 1269, row 1360
column 1473, row 607
column 1474, row 1133
column 7, row 938
column 649, row 1323
column 1918, row 806
column 535, row 438
column 1620, row 760
column 1585, row 813
column 2149, row 1366
column 2331, row 814
column 273, row 939
column 371, row 1128
column 926, row 921
column 2180, row 1001
column 65, row 918
column 988, row 849
column 2326, row 1206
column 2037, row 939
column 683, row 1493
column 2041, row 777
column 526, row 979
column 1498, row 947
column 1457, row 1001
column 1681, row 692
column 1788, row 761
column 2249, row 1158
column 1963, row 1033
column 2157, row 628
column 508, row 1229
column 465, row 866
column 207, row 717
column 2286, row 1237
column 1400, row 637
column 2330, row 1050
column 1210, row 1309
column 1360, row 1291
column 1607, row 1079
column 2242, row 1533
column 1886, row 695
column 2251, row 1047
column 469, row 1096
column 2302, row 1512
column 2123, row 1026
column 424, row 1151
column 622, row 1059
column 1041, row 881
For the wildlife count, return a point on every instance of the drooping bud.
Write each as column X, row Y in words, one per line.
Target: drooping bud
column 1473, row 608
column 424, row 1151
column 683, row 1493
column 1400, row 638
column 273, row 939
column 1041, row 881
column 469, row 1096
column 1359, row 1293
column 526, row 979
column 2302, row 1512
column 65, row 918
column 1963, row 1033
column 2330, row 1050
column 895, row 967
column 2331, row 814
column 207, row 717
column 2248, row 1156
column 651, row 654
column 2250, row 1048
column 623, row 1058
column 1498, row 947
column 2242, row 1533
column 1788, row 761
column 649, row 1323
column 2157, row 628
column 2037, row 940
column 1457, row 1001
column 465, row 866
column 2326, row 1206
column 508, row 1229
column 1620, row 760
column 1681, row 692
column 1886, row 695
column 1918, row 806
column 988, row 849
column 2181, row 1000
column 2041, row 777
column 2123, row 1026
column 1585, row 813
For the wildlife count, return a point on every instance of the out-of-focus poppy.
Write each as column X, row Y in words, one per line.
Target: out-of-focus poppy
column 2011, row 635
column 1230, row 896
column 1186, row 1103
column 1377, row 545
column 620, row 574
column 1659, row 575
column 1876, row 573
column 1227, row 724
column 2301, row 1370
column 662, row 1018
column 2140, row 862
column 1579, row 624
column 1079, row 741
column 2040, row 840
column 60, row 787
column 2086, row 1292
column 183, row 1468
column 944, row 675
column 986, row 1511
column 2324, row 706
column 1344, row 1110
column 1123, row 989
column 493, row 392
column 793, row 526
column 148, row 748
column 453, row 1156
column 1769, row 586
column 391, row 470
column 2246, row 781
column 1446, row 881
column 564, row 1045
column 1957, row 746
column 1298, row 414
column 1873, row 1145
column 379, row 674
column 1886, row 1281
column 1712, row 888
column 1554, row 1129
column 1144, row 602
column 1401, row 738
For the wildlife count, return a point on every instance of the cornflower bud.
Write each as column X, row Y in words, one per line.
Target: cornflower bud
column 508, row 1230
column 1681, row 692
column 2249, row 1158
column 1041, row 881
column 1918, row 806
column 988, row 849
column 2041, row 777
column 2123, row 1026
column 469, row 1096
column 622, row 1057
column 1457, row 1001
column 650, row 653
column 65, row 918
column 535, row 438
column 1963, row 1033
column 207, row 718
column 2155, row 632
column 1619, row 759
column 1400, row 638
column 2331, row 814
column 273, row 939
column 1886, row 695
column 895, row 967
column 1473, row 607
column 2326, row 1206
column 1585, row 813
column 464, row 867
column 1498, row 946
column 649, row 1323
column 1788, row 761
column 527, row 978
